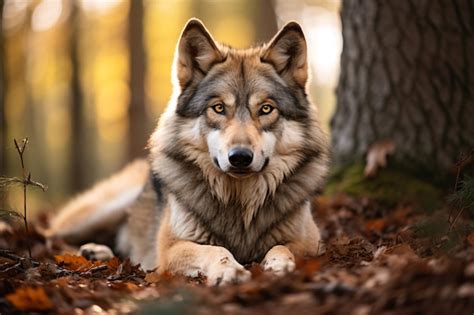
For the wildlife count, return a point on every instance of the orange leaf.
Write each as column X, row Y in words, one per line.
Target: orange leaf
column 123, row 285
column 401, row 214
column 470, row 239
column 30, row 299
column 256, row 270
column 152, row 277
column 113, row 263
column 401, row 249
column 376, row 225
column 309, row 266
column 76, row 263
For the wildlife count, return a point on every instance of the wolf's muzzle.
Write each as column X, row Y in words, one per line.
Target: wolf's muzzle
column 240, row 157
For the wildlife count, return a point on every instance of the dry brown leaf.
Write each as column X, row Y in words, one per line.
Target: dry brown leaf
column 322, row 202
column 470, row 239
column 250, row 288
column 401, row 249
column 29, row 299
column 152, row 277
column 76, row 263
column 309, row 266
column 297, row 298
column 113, row 264
column 401, row 214
column 377, row 156
column 123, row 286
column 62, row 281
column 376, row 225
column 256, row 271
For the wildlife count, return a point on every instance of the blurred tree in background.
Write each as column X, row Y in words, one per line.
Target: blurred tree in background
column 138, row 120
column 77, row 165
column 3, row 87
column 88, row 79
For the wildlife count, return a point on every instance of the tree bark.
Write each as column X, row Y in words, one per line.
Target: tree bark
column 407, row 74
column 138, row 119
column 3, row 87
column 265, row 21
column 78, row 160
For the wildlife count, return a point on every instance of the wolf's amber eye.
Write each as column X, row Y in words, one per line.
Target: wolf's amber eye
column 265, row 109
column 219, row 108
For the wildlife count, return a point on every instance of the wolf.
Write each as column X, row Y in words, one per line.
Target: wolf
column 233, row 166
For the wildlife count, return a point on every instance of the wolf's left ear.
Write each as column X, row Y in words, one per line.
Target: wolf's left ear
column 287, row 53
column 196, row 52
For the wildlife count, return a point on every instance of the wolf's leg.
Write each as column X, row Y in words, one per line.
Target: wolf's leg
column 279, row 260
column 214, row 262
column 102, row 208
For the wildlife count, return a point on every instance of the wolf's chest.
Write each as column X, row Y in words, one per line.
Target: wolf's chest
column 226, row 227
column 197, row 215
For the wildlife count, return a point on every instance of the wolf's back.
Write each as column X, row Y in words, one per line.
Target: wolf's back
column 98, row 213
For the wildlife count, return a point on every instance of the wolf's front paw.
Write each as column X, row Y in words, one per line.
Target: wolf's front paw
column 93, row 251
column 279, row 260
column 225, row 271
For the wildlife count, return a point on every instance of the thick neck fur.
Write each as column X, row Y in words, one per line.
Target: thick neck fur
column 251, row 192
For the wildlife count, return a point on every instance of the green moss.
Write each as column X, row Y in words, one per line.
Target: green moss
column 391, row 185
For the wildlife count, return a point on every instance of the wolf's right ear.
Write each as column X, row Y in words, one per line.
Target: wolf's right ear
column 287, row 53
column 196, row 52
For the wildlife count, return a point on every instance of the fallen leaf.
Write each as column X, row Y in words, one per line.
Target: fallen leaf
column 297, row 298
column 76, row 263
column 152, row 277
column 401, row 214
column 113, row 264
column 470, row 239
column 381, row 277
column 377, row 156
column 251, row 288
column 123, row 285
column 466, row 290
column 309, row 266
column 401, row 249
column 29, row 299
column 256, row 270
column 376, row 225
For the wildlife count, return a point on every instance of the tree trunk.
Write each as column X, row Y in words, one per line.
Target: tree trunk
column 3, row 86
column 78, row 160
column 138, row 120
column 407, row 74
column 265, row 21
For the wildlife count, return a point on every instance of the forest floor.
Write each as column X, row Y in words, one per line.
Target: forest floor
column 378, row 260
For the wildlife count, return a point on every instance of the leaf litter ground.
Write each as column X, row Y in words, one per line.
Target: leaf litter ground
column 378, row 260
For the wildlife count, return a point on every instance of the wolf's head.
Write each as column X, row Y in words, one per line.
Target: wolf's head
column 241, row 113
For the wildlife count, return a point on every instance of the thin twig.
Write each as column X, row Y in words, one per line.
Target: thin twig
column 96, row 269
column 5, row 253
column 25, row 180
column 451, row 227
column 9, row 254
column 460, row 165
column 16, row 266
column 7, row 181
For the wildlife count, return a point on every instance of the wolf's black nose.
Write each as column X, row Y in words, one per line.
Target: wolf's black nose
column 240, row 157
